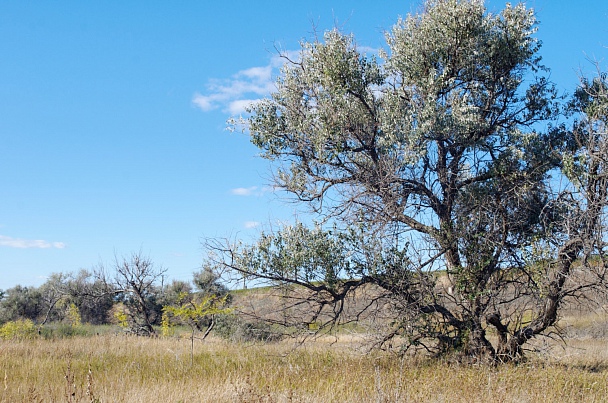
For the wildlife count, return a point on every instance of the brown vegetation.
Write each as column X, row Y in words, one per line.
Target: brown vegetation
column 111, row 368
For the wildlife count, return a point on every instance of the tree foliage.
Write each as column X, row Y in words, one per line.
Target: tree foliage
column 58, row 298
column 208, row 283
column 21, row 303
column 442, row 153
column 196, row 312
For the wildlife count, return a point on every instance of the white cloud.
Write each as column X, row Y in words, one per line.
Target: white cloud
column 252, row 191
column 244, row 191
column 29, row 243
column 261, row 74
column 234, row 94
column 239, row 107
column 251, row 224
column 203, row 102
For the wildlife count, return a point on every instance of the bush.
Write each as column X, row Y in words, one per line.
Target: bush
column 20, row 329
column 234, row 328
column 64, row 330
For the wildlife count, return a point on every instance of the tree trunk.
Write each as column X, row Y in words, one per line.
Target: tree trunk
column 476, row 346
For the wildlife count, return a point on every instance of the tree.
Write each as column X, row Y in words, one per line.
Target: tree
column 175, row 291
column 445, row 156
column 91, row 296
column 208, row 282
column 59, row 297
column 80, row 291
column 195, row 312
column 54, row 295
column 22, row 303
column 135, row 281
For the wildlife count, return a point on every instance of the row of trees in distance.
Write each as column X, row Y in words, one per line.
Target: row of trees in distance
column 132, row 294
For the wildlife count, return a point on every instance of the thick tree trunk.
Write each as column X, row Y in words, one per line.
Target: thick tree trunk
column 478, row 347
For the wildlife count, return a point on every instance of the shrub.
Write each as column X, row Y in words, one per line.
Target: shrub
column 234, row 328
column 18, row 330
column 61, row 330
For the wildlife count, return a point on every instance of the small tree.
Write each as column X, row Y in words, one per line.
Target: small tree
column 19, row 329
column 54, row 295
column 196, row 313
column 135, row 282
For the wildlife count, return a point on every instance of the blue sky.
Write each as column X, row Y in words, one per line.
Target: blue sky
column 112, row 119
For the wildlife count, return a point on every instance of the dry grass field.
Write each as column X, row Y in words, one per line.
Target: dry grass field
column 111, row 368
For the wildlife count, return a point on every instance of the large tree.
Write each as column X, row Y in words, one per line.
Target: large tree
column 441, row 154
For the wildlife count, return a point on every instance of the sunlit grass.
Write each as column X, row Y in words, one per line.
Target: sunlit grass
column 132, row 369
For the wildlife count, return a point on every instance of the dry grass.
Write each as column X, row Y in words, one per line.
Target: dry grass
column 111, row 368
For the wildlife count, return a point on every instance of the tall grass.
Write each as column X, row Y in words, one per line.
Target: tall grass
column 110, row 368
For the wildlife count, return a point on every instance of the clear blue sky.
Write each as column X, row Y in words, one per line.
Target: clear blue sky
column 112, row 119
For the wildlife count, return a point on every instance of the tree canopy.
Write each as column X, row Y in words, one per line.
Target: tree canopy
column 459, row 188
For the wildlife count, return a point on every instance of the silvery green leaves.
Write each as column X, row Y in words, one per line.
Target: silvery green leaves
column 462, row 70
column 588, row 147
column 452, row 74
column 298, row 254
column 322, row 118
column 446, row 142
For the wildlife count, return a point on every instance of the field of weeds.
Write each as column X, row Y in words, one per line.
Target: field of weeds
column 111, row 368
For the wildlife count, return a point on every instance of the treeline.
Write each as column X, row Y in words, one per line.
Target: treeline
column 132, row 294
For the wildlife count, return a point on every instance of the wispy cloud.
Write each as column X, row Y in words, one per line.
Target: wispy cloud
column 240, row 106
column 233, row 95
column 252, row 191
column 244, row 191
column 29, row 243
column 251, row 224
